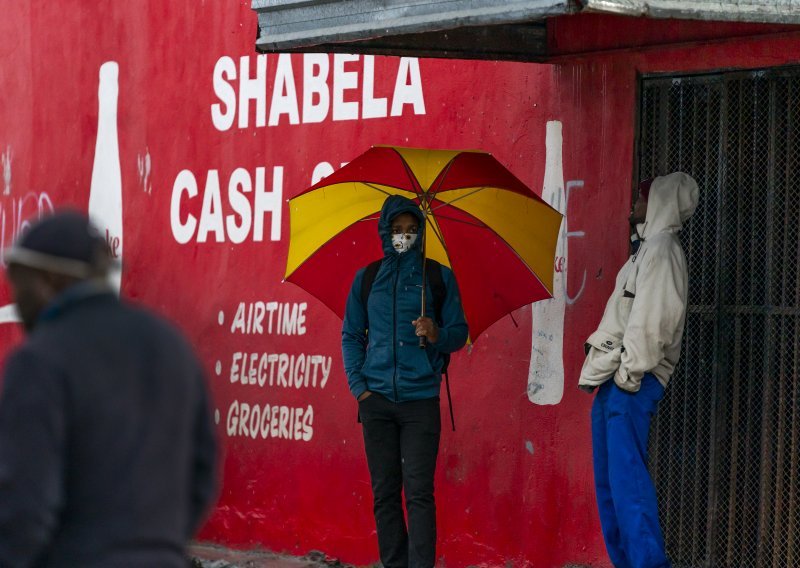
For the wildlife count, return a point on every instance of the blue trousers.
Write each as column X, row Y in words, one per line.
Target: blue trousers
column 626, row 496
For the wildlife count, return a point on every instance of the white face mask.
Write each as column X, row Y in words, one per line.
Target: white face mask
column 403, row 242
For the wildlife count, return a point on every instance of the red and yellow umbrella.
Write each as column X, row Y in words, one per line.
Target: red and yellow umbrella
column 497, row 235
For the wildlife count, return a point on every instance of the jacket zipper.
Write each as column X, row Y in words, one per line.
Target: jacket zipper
column 641, row 244
column 394, row 328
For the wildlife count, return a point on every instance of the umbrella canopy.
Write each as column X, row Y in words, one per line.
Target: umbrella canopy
column 497, row 235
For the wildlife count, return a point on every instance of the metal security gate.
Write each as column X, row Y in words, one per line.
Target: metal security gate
column 725, row 444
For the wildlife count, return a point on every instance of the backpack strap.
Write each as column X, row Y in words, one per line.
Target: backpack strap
column 439, row 291
column 366, row 284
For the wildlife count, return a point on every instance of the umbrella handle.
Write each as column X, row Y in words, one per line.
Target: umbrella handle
column 423, row 342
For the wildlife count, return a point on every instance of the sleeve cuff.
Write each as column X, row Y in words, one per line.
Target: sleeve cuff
column 626, row 381
column 358, row 387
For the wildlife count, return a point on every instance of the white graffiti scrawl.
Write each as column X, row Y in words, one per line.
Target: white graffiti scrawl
column 6, row 159
column 546, row 371
column 16, row 216
column 143, row 164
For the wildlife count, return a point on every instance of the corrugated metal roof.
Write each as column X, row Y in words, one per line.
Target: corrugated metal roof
column 766, row 11
column 470, row 29
column 302, row 25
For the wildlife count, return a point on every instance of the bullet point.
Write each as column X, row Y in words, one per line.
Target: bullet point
column 221, row 317
column 219, row 368
column 216, row 416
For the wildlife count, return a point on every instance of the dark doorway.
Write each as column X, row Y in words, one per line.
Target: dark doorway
column 725, row 445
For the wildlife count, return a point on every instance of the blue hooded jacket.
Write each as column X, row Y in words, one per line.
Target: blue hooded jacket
column 388, row 359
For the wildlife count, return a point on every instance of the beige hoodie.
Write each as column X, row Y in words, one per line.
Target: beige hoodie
column 643, row 322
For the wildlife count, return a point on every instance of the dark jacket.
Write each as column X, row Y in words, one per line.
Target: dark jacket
column 388, row 359
column 106, row 444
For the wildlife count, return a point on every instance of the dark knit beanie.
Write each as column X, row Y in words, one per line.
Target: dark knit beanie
column 64, row 243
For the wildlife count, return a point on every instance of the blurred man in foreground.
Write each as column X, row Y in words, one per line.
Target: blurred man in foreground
column 106, row 443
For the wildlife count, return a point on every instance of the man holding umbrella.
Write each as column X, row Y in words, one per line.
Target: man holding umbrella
column 396, row 382
column 474, row 209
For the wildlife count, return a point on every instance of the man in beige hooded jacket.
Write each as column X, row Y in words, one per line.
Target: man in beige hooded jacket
column 631, row 357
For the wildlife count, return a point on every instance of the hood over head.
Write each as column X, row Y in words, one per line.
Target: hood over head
column 392, row 207
column 671, row 202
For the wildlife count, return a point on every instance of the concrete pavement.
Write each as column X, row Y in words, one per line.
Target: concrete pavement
column 209, row 556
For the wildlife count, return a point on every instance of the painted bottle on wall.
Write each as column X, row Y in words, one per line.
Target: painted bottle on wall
column 105, row 197
column 546, row 372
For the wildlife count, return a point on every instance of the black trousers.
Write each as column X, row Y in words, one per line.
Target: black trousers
column 402, row 443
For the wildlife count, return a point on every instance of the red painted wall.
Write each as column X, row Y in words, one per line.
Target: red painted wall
column 593, row 33
column 514, row 481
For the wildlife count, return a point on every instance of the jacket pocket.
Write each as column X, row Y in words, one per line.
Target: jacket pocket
column 378, row 362
column 603, row 358
column 412, row 362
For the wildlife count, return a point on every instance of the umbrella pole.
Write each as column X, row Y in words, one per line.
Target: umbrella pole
column 423, row 341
